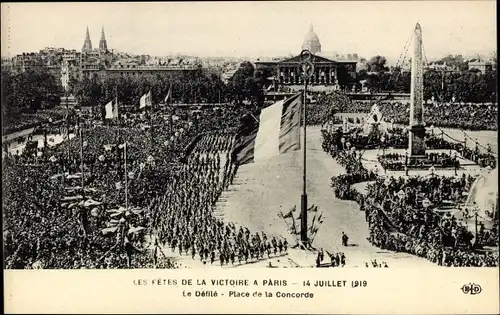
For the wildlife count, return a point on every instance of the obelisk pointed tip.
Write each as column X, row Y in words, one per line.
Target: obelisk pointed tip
column 417, row 27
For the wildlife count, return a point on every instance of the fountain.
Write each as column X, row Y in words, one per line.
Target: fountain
column 481, row 207
column 483, row 196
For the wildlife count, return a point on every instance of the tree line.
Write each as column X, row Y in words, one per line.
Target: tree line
column 199, row 86
column 186, row 87
column 29, row 91
column 36, row 89
column 462, row 85
column 32, row 90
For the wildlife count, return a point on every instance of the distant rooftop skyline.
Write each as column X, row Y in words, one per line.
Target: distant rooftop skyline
column 257, row 29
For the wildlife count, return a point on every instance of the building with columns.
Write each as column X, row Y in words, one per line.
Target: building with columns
column 327, row 72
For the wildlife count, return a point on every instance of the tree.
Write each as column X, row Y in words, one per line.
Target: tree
column 343, row 77
column 29, row 91
column 377, row 64
column 432, row 85
column 187, row 87
column 456, row 62
column 88, row 92
column 244, row 86
column 402, row 83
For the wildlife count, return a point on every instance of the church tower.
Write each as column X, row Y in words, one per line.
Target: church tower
column 103, row 45
column 87, row 44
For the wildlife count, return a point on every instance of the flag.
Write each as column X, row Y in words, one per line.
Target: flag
column 288, row 215
column 312, row 223
column 169, row 95
column 276, row 132
column 314, row 230
column 313, row 208
column 280, row 215
column 112, row 109
column 293, row 228
column 145, row 100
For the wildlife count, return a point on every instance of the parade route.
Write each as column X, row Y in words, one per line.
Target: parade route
column 261, row 190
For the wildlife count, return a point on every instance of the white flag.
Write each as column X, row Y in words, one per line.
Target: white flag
column 167, row 98
column 145, row 100
column 112, row 110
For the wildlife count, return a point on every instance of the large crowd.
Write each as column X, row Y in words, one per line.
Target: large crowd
column 322, row 107
column 151, row 181
column 450, row 115
column 397, row 138
column 401, row 213
column 177, row 165
column 404, row 223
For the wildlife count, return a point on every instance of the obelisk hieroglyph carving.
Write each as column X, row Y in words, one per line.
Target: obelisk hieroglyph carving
column 416, row 128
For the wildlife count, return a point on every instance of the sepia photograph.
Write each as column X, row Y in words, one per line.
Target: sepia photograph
column 117, row 157
column 328, row 135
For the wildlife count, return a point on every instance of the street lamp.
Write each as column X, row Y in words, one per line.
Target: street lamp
column 476, row 242
column 432, row 169
column 465, row 142
column 382, row 139
column 406, row 162
column 426, row 203
column 456, row 166
column 383, row 151
column 401, row 194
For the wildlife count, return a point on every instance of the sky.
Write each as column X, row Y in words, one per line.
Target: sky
column 253, row 29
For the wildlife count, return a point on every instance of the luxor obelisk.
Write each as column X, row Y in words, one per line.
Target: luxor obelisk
column 417, row 128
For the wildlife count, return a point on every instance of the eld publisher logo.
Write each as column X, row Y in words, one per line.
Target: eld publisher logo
column 472, row 289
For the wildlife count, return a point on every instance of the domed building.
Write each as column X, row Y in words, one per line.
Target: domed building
column 311, row 41
column 327, row 72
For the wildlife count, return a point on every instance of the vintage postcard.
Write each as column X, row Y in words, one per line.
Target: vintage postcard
column 250, row 157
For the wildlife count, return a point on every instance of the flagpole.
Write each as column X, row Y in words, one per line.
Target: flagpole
column 171, row 110
column 67, row 132
column 308, row 69
column 151, row 120
column 303, row 219
column 81, row 155
column 126, row 177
